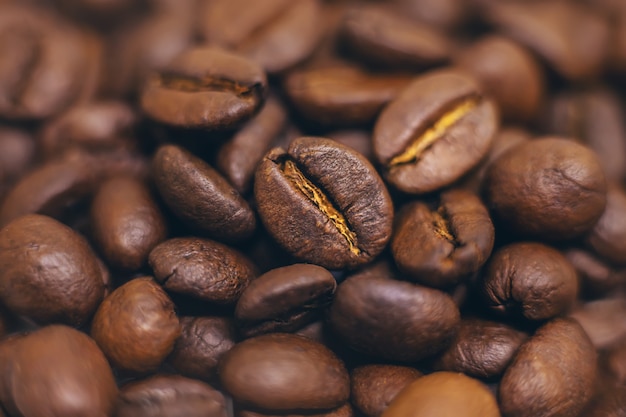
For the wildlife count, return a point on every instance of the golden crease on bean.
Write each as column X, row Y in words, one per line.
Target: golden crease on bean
column 313, row 193
column 441, row 227
column 430, row 136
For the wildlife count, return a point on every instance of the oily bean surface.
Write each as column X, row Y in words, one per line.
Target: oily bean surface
column 136, row 326
column 49, row 273
column 324, row 203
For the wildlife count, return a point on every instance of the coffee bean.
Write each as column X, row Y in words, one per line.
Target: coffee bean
column 342, row 95
column 383, row 37
column 569, row 37
column 550, row 188
column 508, row 73
column 171, row 396
column 343, row 411
column 205, row 88
column 391, row 319
column 202, row 343
column 202, row 268
column 614, row 359
column 93, row 126
column 595, row 276
column 324, row 203
column 127, row 223
column 440, row 247
column 375, row 386
column 48, row 64
column 278, row 35
column 55, row 371
column 283, row 372
column 444, row 394
column 136, row 326
column 601, row 320
column 530, row 280
column 237, row 160
column 608, row 236
column 481, row 348
column 49, row 272
column 594, row 117
column 552, row 374
column 610, row 402
column 200, row 196
column 435, row 131
column 284, row 299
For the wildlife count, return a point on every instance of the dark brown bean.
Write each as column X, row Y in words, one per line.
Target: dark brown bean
column 444, row 394
column 277, row 34
column 48, row 272
column 237, row 160
column 383, row 37
column 202, row 343
column 391, row 319
column 481, row 348
column 441, row 247
column 324, row 203
column 284, row 299
column 200, row 196
column 202, row 268
column 342, row 95
column 552, row 374
column 507, row 72
column 375, row 386
column 436, row 130
column 127, row 223
column 608, row 236
column 530, row 280
column 55, row 371
column 171, row 396
column 206, row 88
column 550, row 188
column 136, row 326
column 569, row 36
column 277, row 372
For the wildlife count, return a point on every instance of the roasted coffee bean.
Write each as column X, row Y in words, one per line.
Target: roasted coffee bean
column 342, row 95
column 440, row 247
column 481, row 348
column 552, row 374
column 343, row 411
column 284, row 372
column 324, row 203
column 169, row 396
column 48, row 272
column 444, row 394
column 237, row 160
column 202, row 268
column 48, row 66
column 595, row 276
column 93, row 126
column 508, row 73
column 602, row 320
column 569, row 37
column 55, row 371
column 435, row 131
column 17, row 154
column 375, row 386
column 391, row 319
column 594, row 117
column 550, row 188
column 136, row 326
column 202, row 343
column 277, row 34
column 205, row 88
column 284, row 299
column 200, row 196
column 530, row 280
column 382, row 37
column 127, row 223
column 608, row 403
column 608, row 236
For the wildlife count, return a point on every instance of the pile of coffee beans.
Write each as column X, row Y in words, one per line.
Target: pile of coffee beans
column 312, row 208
